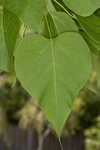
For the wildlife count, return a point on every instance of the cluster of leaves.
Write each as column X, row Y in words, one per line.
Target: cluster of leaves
column 54, row 63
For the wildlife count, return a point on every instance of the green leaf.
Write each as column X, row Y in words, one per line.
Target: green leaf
column 58, row 22
column 83, row 7
column 15, row 6
column 48, row 21
column 91, row 26
column 53, row 71
column 30, row 11
column 9, row 31
column 93, row 45
column 97, row 69
column 3, row 52
column 50, row 6
column 11, row 27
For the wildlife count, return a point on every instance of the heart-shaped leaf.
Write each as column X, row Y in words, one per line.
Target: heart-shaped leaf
column 53, row 71
column 83, row 7
column 30, row 11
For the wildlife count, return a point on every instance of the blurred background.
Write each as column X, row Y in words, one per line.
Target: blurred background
column 24, row 127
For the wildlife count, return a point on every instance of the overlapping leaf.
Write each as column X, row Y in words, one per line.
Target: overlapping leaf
column 30, row 11
column 58, row 23
column 83, row 7
column 91, row 26
column 97, row 13
column 10, row 26
column 93, row 45
column 3, row 52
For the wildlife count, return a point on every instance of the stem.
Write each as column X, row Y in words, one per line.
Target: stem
column 41, row 138
column 63, row 8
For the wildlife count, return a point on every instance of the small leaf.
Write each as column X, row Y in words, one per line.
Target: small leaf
column 58, row 22
column 53, row 71
column 83, row 7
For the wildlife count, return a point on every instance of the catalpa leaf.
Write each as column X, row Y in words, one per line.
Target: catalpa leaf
column 58, row 23
column 82, row 7
column 30, row 11
column 53, row 71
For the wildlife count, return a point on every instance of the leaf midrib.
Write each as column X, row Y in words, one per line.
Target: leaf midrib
column 53, row 64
